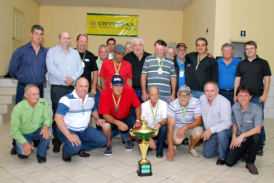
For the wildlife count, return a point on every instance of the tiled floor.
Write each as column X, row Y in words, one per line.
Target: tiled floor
column 122, row 166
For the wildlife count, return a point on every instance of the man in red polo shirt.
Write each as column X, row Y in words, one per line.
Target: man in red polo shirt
column 116, row 66
column 115, row 106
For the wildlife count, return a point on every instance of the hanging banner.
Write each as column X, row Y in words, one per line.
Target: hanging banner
column 112, row 24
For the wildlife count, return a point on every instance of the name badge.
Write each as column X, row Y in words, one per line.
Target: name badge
column 83, row 64
column 182, row 73
column 160, row 71
column 86, row 59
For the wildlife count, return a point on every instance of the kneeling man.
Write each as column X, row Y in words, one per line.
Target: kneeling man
column 31, row 120
column 154, row 110
column 184, row 118
column 72, row 118
column 247, row 125
column 115, row 106
column 216, row 112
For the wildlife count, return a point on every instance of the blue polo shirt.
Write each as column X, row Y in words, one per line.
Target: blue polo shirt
column 227, row 73
column 181, row 68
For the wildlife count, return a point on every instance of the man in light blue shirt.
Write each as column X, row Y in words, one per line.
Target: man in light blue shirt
column 227, row 66
column 65, row 67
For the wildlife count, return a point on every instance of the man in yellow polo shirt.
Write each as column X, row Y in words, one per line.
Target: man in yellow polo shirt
column 31, row 120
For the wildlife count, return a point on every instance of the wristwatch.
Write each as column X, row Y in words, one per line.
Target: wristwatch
column 138, row 121
column 47, row 125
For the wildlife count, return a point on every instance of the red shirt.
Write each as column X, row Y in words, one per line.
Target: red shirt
column 108, row 70
column 128, row 98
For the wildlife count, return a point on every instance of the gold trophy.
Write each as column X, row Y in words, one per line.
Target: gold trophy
column 144, row 132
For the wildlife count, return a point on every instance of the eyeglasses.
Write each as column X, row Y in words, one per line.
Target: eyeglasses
column 184, row 95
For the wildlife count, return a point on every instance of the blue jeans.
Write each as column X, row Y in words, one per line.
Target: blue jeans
column 97, row 99
column 217, row 144
column 43, row 145
column 129, row 121
column 161, row 138
column 90, row 138
column 197, row 94
column 228, row 95
column 255, row 100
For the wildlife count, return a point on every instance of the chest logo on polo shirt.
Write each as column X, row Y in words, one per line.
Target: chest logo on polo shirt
column 188, row 65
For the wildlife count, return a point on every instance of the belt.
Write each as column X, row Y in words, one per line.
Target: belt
column 62, row 86
column 41, row 84
column 227, row 90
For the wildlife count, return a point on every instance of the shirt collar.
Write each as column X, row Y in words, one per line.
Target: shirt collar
column 61, row 50
column 77, row 97
column 26, row 103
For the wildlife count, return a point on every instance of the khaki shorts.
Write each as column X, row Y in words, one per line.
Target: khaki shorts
column 188, row 133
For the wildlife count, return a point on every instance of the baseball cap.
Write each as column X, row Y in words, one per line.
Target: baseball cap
column 117, row 80
column 184, row 89
column 119, row 48
column 181, row 45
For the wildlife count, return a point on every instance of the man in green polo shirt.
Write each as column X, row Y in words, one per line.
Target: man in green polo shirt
column 31, row 120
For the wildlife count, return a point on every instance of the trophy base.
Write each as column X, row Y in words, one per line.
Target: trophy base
column 144, row 170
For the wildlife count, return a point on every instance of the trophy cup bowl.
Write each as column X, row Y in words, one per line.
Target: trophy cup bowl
column 144, row 133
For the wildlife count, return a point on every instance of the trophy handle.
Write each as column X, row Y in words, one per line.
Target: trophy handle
column 155, row 132
column 131, row 132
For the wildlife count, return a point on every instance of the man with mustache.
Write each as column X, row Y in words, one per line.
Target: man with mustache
column 184, row 119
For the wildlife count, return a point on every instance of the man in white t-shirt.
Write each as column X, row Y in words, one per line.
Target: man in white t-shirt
column 154, row 110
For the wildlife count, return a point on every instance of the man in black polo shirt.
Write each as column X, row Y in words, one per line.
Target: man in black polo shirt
column 88, row 62
column 255, row 72
column 199, row 68
column 137, row 58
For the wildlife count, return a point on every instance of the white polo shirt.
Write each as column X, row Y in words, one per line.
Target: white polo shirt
column 161, row 114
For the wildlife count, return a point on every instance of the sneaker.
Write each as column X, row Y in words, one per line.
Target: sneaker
column 108, row 150
column 260, row 152
column 129, row 145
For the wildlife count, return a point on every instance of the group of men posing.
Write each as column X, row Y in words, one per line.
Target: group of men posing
column 188, row 97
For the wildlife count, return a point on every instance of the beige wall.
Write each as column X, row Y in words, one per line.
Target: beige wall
column 152, row 25
column 31, row 17
column 197, row 18
column 256, row 18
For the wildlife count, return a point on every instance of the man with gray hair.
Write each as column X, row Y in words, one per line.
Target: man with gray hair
column 170, row 52
column 227, row 66
column 65, row 67
column 103, row 52
column 216, row 113
column 137, row 58
column 128, row 47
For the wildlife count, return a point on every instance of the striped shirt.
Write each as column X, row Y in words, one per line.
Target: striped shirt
column 161, row 81
column 76, row 114
column 217, row 116
column 27, row 66
column 61, row 65
column 207, row 70
column 174, row 111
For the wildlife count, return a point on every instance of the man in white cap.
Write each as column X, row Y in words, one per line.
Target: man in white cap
column 184, row 121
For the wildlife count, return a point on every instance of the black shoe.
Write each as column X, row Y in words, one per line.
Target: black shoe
column 159, row 155
column 41, row 159
column 56, row 148
column 21, row 156
column 252, row 168
column 260, row 152
column 220, row 162
column 185, row 142
column 13, row 150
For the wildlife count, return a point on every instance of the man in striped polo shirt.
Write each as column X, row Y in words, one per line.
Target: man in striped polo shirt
column 184, row 118
column 72, row 118
column 158, row 70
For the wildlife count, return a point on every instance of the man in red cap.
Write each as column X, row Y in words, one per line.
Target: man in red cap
column 115, row 106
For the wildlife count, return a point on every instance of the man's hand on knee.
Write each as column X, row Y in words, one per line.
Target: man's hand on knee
column 45, row 132
column 27, row 147
column 74, row 140
column 206, row 135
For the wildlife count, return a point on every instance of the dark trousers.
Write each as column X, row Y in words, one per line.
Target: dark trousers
column 56, row 93
column 161, row 138
column 19, row 97
column 250, row 146
column 228, row 95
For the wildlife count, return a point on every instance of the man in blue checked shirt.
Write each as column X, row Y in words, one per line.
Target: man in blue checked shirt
column 28, row 66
